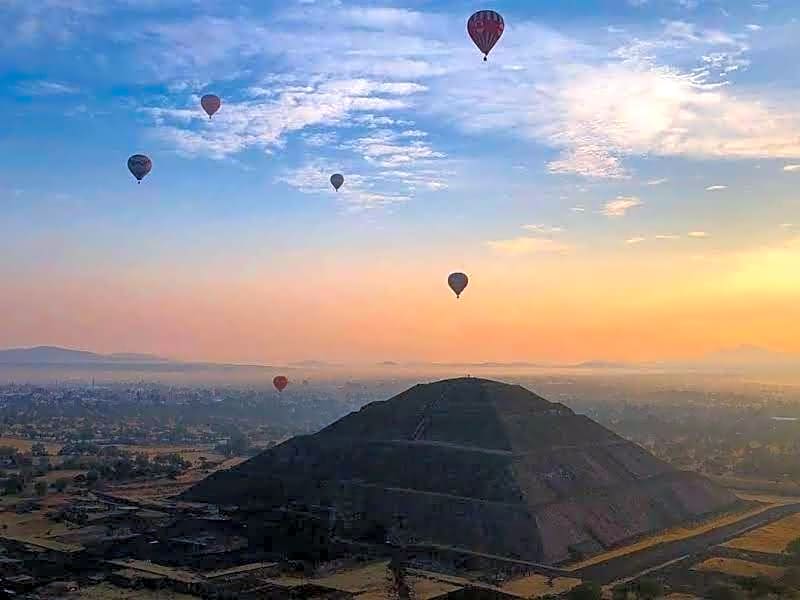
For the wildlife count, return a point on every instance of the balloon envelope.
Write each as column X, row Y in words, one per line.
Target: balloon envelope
column 139, row 165
column 485, row 27
column 210, row 104
column 280, row 382
column 337, row 180
column 457, row 282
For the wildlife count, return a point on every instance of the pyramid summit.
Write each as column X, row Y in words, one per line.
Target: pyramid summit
column 475, row 465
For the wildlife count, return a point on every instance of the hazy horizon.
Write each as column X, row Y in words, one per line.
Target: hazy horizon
column 744, row 354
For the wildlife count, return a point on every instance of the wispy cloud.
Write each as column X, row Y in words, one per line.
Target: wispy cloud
column 663, row 93
column 318, row 140
column 654, row 97
column 716, row 188
column 791, row 168
column 667, row 236
column 394, row 149
column 45, row 88
column 620, row 206
column 528, row 245
column 657, row 181
column 688, row 4
column 635, row 240
column 264, row 122
column 45, row 21
column 698, row 234
column 358, row 193
column 543, row 229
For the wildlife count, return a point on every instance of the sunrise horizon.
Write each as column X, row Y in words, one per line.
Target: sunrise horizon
column 617, row 184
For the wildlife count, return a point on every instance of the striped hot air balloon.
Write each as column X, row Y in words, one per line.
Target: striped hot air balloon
column 139, row 165
column 485, row 27
column 210, row 104
column 280, row 382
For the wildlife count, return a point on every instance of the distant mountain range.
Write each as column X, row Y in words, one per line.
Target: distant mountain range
column 740, row 359
column 55, row 355
column 745, row 358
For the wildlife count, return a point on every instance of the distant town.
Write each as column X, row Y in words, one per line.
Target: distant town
column 96, row 483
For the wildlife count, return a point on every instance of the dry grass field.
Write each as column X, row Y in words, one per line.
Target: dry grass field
column 360, row 580
column 60, row 474
column 776, row 499
column 25, row 445
column 788, row 488
column 771, row 538
column 190, row 453
column 34, row 524
column 374, row 582
column 535, row 586
column 739, row 568
column 671, row 535
column 159, row 489
column 677, row 596
column 111, row 592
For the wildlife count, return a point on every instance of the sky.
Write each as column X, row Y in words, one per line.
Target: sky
column 618, row 180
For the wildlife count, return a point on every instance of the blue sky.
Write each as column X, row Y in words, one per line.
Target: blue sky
column 666, row 128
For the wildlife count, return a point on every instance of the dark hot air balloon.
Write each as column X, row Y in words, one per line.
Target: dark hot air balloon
column 139, row 165
column 210, row 104
column 457, row 282
column 336, row 181
column 280, row 382
column 485, row 27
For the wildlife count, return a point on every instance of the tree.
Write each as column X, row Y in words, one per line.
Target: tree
column 61, row 484
column 760, row 586
column 92, row 477
column 402, row 591
column 721, row 591
column 648, row 589
column 237, row 444
column 142, row 461
column 42, row 466
column 585, row 591
column 12, row 485
column 41, row 488
column 791, row 578
column 621, row 592
column 38, row 449
column 793, row 549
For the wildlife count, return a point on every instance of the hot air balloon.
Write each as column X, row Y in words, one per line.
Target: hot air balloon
column 139, row 165
column 485, row 27
column 457, row 282
column 210, row 104
column 336, row 181
column 280, row 382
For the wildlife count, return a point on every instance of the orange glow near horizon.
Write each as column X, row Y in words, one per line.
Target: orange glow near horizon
column 564, row 308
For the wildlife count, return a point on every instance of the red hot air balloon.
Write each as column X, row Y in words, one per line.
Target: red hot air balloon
column 280, row 382
column 210, row 104
column 139, row 165
column 458, row 283
column 485, row 27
